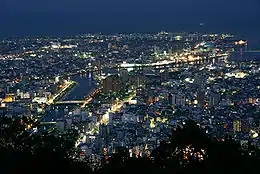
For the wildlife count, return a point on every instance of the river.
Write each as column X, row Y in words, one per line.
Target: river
column 85, row 85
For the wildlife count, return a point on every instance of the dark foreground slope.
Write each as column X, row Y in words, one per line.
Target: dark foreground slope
column 188, row 151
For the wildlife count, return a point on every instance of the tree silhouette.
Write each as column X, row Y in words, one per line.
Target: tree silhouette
column 218, row 157
column 23, row 152
column 189, row 151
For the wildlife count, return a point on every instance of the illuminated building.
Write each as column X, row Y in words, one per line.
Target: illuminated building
column 113, row 100
column 150, row 100
column 57, row 79
column 105, row 151
column 241, row 42
column 55, row 45
column 241, row 45
column 220, row 74
column 237, row 126
column 178, row 38
column 114, row 47
column 9, row 98
column 39, row 100
column 252, row 100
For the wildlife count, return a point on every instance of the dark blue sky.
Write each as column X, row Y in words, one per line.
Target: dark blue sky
column 69, row 17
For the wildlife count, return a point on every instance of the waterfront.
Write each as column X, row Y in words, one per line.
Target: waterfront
column 85, row 85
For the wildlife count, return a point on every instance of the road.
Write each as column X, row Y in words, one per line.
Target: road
column 114, row 108
column 67, row 86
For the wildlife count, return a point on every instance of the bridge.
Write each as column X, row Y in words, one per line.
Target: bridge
column 167, row 63
column 44, row 123
column 85, row 101
column 60, row 93
column 71, row 102
column 163, row 63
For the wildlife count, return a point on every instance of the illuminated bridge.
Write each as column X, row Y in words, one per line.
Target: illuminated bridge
column 169, row 63
column 71, row 102
column 44, row 123
column 86, row 100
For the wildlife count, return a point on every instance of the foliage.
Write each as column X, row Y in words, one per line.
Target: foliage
column 23, row 152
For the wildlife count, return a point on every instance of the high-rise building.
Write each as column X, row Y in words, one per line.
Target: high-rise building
column 110, row 121
column 181, row 100
column 111, row 84
column 170, row 99
column 176, row 99
column 201, row 98
column 214, row 100
column 124, row 75
column 237, row 126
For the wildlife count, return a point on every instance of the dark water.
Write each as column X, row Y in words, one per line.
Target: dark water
column 85, row 86
column 246, row 56
column 253, row 43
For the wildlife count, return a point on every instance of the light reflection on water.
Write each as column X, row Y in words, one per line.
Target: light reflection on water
column 85, row 86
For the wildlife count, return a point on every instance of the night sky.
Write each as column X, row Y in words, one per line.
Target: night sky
column 70, row 17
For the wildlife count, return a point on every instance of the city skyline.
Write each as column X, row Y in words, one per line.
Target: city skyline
column 105, row 86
